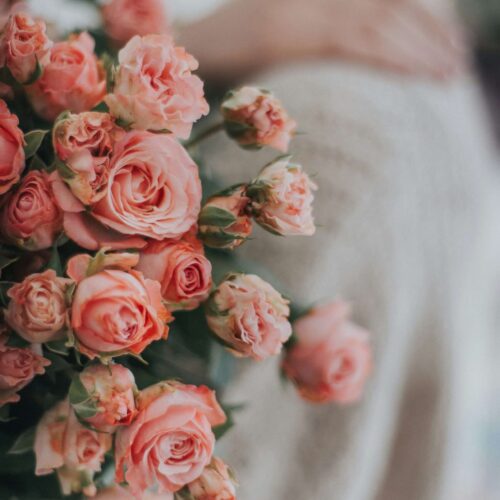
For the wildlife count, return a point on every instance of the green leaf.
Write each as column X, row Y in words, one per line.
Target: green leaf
column 81, row 400
column 55, row 262
column 7, row 260
column 64, row 171
column 108, row 63
column 221, row 430
column 24, row 443
column 214, row 216
column 4, row 287
column 37, row 163
column 33, row 141
column 58, row 347
column 37, row 73
column 17, row 341
column 5, row 414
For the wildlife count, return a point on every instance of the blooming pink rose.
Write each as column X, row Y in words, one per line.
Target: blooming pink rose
column 23, row 45
column 215, row 483
column 72, row 80
column 183, row 270
column 124, row 19
column 117, row 492
column 154, row 87
column 37, row 309
column 11, row 149
column 224, row 220
column 18, row 367
column 117, row 312
column 64, row 445
column 171, row 440
column 84, row 143
column 282, row 197
column 255, row 118
column 30, row 217
column 249, row 316
column 111, row 393
column 331, row 358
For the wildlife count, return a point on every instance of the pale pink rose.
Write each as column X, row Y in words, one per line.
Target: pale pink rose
column 155, row 88
column 72, row 80
column 215, row 483
column 282, row 198
column 225, row 221
column 64, row 445
column 255, row 118
column 30, row 216
column 111, row 393
column 24, row 45
column 84, row 143
column 153, row 188
column 18, row 367
column 331, row 358
column 182, row 269
column 117, row 312
column 171, row 440
column 117, row 492
column 249, row 316
column 37, row 310
column 124, row 19
column 11, row 149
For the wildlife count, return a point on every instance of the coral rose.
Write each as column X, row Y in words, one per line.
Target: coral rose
column 11, row 149
column 117, row 492
column 109, row 394
column 37, row 309
column 64, row 445
column 23, row 46
column 72, row 80
column 154, row 88
column 249, row 316
column 171, row 440
column 124, row 19
column 117, row 312
column 255, row 118
column 330, row 359
column 30, row 217
column 215, row 483
column 282, row 197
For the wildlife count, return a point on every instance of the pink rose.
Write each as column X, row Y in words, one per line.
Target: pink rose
column 117, row 492
column 154, row 87
column 37, row 309
column 84, row 143
column 110, row 393
column 117, row 312
column 30, row 217
column 64, row 445
column 249, row 316
column 124, row 19
column 11, row 149
column 224, row 220
column 255, row 118
column 282, row 197
column 331, row 358
column 184, row 272
column 72, row 80
column 18, row 367
column 171, row 440
column 215, row 483
column 23, row 46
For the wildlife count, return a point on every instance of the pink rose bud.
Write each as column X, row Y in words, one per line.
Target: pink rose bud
column 249, row 316
column 331, row 358
column 103, row 396
column 117, row 312
column 255, row 118
column 282, row 197
column 216, row 483
column 154, row 87
column 73, row 79
column 124, row 19
column 11, row 149
column 75, row 452
column 30, row 216
column 18, row 367
column 224, row 220
column 37, row 310
column 173, row 428
column 185, row 274
column 84, row 143
column 24, row 47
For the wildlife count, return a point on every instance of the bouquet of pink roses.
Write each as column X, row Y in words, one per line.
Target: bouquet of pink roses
column 114, row 336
